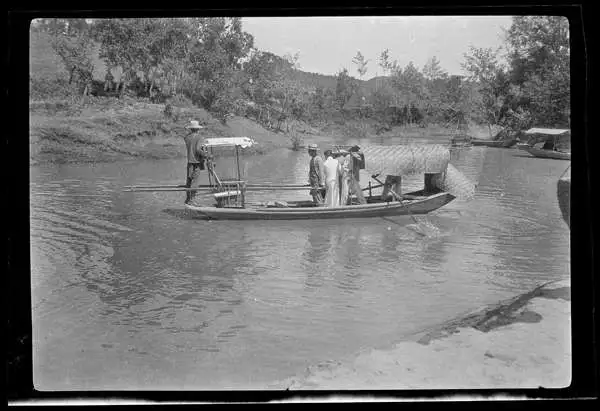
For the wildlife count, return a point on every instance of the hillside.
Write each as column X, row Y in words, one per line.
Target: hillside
column 43, row 61
column 71, row 129
column 313, row 80
column 108, row 129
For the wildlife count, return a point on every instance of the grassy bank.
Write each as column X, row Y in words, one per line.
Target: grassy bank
column 111, row 130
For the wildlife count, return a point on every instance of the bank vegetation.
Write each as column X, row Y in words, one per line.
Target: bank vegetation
column 142, row 79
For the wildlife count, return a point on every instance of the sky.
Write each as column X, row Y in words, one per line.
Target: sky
column 328, row 44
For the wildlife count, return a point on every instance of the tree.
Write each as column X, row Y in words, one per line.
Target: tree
column 410, row 85
column 70, row 40
column 539, row 53
column 456, row 100
column 128, row 43
column 387, row 64
column 293, row 60
column 201, row 53
column 361, row 64
column 434, row 84
column 432, row 70
column 491, row 84
column 265, row 75
column 345, row 87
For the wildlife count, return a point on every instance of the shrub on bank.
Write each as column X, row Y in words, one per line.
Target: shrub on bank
column 50, row 87
column 296, row 139
column 180, row 101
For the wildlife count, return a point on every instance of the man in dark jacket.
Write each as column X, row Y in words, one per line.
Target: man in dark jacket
column 196, row 156
column 316, row 178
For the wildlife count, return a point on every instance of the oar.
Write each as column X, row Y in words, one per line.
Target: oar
column 419, row 223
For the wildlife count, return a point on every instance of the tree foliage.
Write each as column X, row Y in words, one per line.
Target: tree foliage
column 70, row 40
column 213, row 63
column 361, row 64
column 539, row 53
column 345, row 87
column 491, row 82
column 432, row 70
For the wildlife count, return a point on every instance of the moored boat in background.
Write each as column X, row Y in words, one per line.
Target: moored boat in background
column 548, row 143
column 495, row 143
column 543, row 153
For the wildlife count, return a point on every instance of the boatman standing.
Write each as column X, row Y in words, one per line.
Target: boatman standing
column 316, row 178
column 196, row 156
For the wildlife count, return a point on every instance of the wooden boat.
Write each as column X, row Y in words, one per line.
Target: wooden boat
column 394, row 161
column 550, row 139
column 494, row 143
column 442, row 184
column 460, row 141
column 419, row 203
column 544, row 153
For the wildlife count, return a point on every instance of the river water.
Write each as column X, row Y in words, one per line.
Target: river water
column 127, row 293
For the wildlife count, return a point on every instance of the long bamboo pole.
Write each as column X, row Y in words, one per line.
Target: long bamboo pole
column 266, row 188
column 206, row 187
column 225, row 183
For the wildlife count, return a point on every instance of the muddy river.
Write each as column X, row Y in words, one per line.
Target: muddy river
column 128, row 294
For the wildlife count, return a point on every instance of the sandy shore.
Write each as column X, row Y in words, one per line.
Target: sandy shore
column 524, row 342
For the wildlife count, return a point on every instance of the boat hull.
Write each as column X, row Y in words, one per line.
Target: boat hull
column 382, row 209
column 494, row 143
column 537, row 152
column 563, row 191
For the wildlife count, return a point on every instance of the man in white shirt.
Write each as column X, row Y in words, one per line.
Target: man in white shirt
column 332, row 172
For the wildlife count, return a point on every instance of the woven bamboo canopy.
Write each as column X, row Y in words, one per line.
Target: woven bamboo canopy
column 406, row 159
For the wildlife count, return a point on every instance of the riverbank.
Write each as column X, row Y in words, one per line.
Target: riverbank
column 112, row 130
column 523, row 342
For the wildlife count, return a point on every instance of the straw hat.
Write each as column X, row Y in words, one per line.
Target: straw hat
column 194, row 124
column 313, row 147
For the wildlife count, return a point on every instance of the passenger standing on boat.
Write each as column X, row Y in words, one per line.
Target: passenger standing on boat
column 196, row 156
column 332, row 172
column 357, row 163
column 315, row 174
column 345, row 178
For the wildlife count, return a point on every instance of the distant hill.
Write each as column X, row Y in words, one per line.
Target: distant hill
column 328, row 81
column 314, row 79
column 376, row 82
